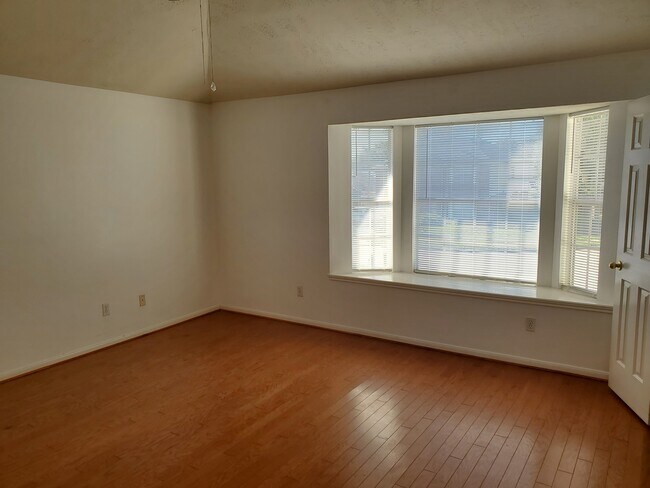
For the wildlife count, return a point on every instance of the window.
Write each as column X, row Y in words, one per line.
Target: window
column 372, row 198
column 488, row 202
column 582, row 212
column 477, row 199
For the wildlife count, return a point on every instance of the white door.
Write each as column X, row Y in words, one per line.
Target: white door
column 629, row 370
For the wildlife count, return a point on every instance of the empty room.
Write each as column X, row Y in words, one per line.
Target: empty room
column 336, row 243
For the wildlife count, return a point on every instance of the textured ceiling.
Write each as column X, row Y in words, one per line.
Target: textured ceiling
column 273, row 47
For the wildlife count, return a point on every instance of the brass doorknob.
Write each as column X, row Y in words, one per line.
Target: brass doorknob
column 616, row 265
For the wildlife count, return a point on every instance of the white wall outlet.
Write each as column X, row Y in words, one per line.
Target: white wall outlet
column 106, row 309
column 530, row 324
column 143, row 300
column 299, row 291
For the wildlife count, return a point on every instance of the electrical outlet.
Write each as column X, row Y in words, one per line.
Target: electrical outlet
column 143, row 300
column 530, row 324
column 299, row 291
column 106, row 309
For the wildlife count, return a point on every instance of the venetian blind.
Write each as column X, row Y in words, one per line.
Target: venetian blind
column 582, row 213
column 372, row 198
column 477, row 199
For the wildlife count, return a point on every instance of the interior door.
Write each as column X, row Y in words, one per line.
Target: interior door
column 629, row 370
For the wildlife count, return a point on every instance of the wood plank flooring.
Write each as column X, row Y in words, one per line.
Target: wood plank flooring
column 231, row 400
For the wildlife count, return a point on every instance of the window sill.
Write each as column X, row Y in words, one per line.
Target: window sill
column 476, row 288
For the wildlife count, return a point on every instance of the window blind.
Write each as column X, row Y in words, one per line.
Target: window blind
column 477, row 199
column 582, row 212
column 372, row 198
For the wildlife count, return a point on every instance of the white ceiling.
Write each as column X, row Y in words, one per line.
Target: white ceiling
column 273, row 47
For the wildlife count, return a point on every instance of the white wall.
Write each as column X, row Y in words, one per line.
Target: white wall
column 106, row 195
column 103, row 196
column 271, row 161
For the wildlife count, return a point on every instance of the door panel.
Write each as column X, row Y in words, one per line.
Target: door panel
column 645, row 252
column 640, row 332
column 630, row 208
column 621, row 326
column 629, row 374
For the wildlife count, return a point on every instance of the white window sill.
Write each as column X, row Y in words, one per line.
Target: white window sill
column 491, row 290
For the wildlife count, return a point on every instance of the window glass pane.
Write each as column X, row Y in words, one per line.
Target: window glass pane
column 372, row 198
column 477, row 195
column 584, row 184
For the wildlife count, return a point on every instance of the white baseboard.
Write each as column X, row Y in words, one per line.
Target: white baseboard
column 536, row 363
column 5, row 375
column 508, row 358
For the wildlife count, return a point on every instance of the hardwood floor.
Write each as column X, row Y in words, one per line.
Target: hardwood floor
column 233, row 400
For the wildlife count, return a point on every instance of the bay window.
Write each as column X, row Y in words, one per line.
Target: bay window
column 515, row 198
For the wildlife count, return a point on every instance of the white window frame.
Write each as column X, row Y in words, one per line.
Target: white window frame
column 561, row 180
column 394, row 172
column 553, row 155
column 412, row 186
column 550, row 157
